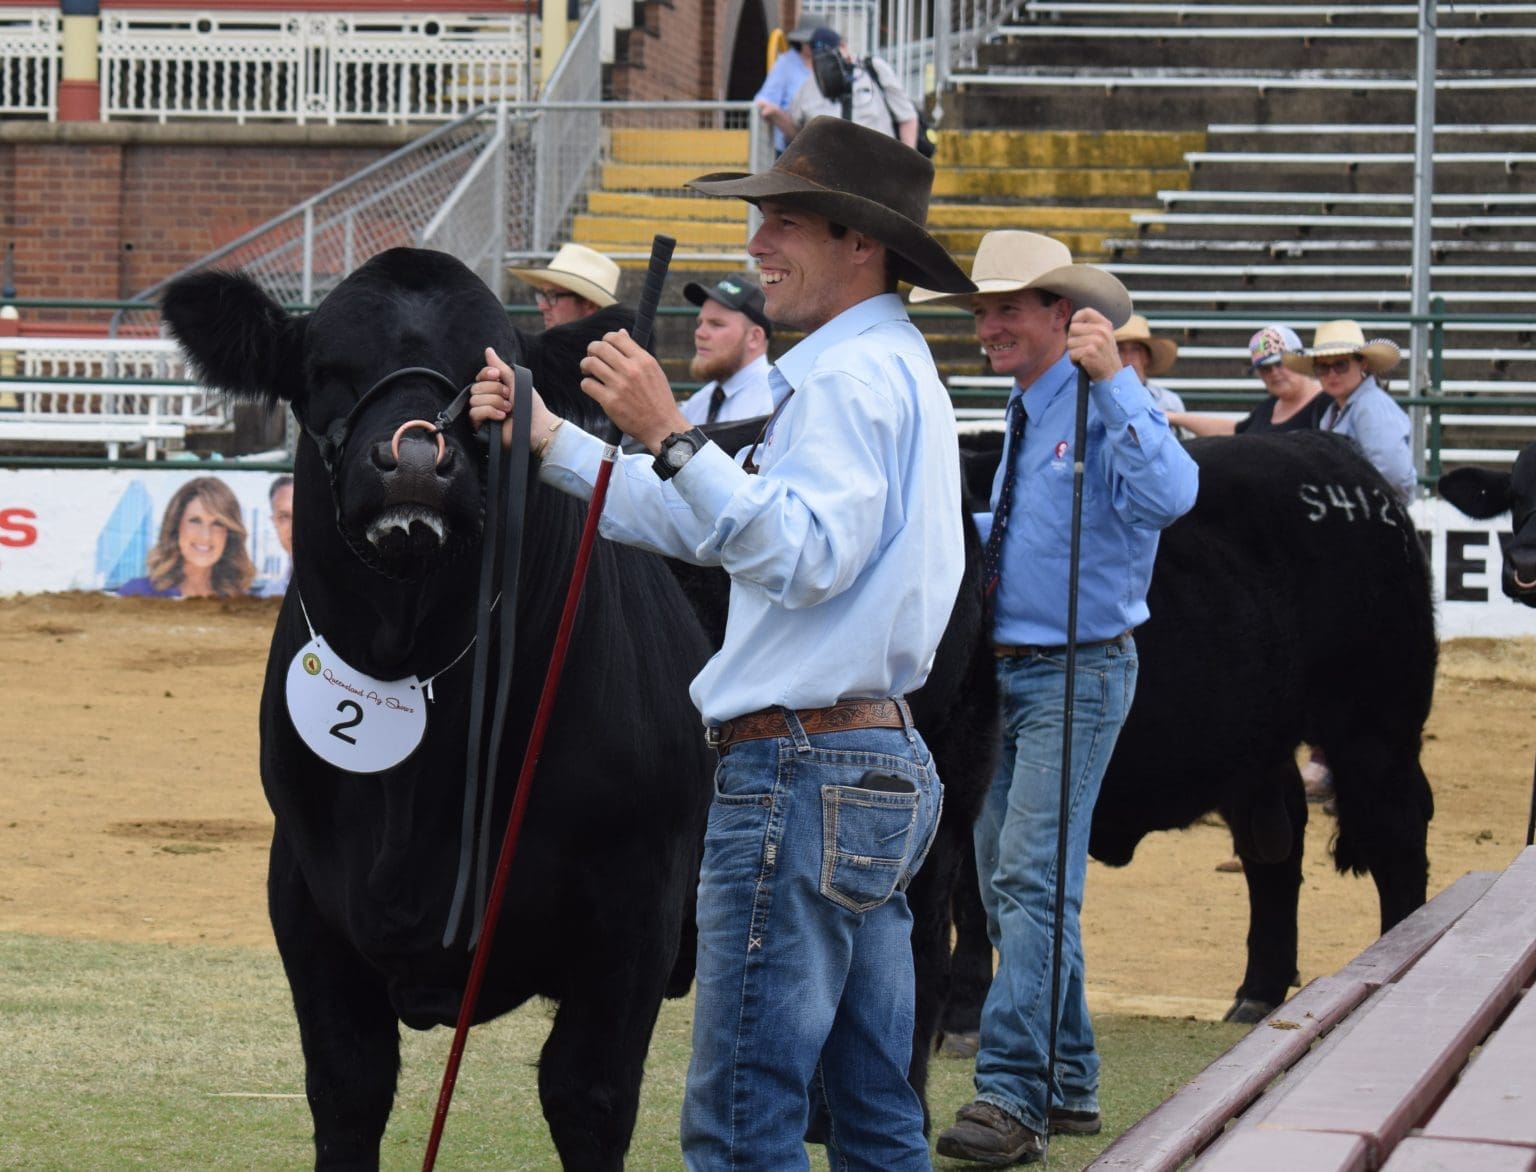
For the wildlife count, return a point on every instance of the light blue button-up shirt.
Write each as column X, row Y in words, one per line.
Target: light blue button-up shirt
column 845, row 550
column 1137, row 479
column 783, row 82
column 1373, row 419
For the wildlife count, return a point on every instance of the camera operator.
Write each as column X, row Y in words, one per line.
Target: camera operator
column 841, row 87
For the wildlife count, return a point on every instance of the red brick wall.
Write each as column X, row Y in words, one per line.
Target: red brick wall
column 105, row 219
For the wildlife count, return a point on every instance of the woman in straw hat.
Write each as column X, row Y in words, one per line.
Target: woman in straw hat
column 577, row 283
column 1348, row 367
column 1150, row 356
column 845, row 552
column 1294, row 403
column 1039, row 317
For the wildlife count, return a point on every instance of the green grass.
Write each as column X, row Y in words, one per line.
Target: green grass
column 120, row 1056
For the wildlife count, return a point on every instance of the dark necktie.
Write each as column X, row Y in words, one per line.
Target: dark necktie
column 716, row 401
column 992, row 555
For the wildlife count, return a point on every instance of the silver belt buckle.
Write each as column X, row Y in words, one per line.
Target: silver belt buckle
column 712, row 735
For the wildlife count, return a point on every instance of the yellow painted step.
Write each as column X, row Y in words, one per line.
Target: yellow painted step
column 1066, row 183
column 640, row 257
column 691, row 233
column 711, row 150
column 672, row 207
column 1036, row 217
column 654, row 176
column 1066, row 148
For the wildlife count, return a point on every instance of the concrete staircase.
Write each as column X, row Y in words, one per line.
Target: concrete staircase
column 1083, row 188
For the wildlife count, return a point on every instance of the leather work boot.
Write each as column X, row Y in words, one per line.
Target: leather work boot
column 985, row 1134
column 1064, row 1122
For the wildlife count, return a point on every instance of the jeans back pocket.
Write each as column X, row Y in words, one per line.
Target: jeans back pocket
column 867, row 832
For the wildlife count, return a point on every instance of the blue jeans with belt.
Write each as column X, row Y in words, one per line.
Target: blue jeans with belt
column 1016, row 861
column 804, row 973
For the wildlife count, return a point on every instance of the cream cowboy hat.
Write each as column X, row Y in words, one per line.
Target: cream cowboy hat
column 582, row 270
column 1007, row 261
column 1345, row 337
column 1162, row 350
column 859, row 178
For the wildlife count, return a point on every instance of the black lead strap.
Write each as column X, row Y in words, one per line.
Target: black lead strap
column 507, row 473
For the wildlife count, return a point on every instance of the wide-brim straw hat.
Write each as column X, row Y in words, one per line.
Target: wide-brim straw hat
column 582, row 270
column 1010, row 260
column 1163, row 350
column 859, row 178
column 1334, row 338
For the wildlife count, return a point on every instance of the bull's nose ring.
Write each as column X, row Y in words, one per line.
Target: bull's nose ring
column 409, row 425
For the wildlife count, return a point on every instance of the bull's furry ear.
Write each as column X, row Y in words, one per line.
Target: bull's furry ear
column 236, row 337
column 1476, row 491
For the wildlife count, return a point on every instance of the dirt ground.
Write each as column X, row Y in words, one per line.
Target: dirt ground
column 131, row 809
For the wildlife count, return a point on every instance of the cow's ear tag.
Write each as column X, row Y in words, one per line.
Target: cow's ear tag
column 351, row 720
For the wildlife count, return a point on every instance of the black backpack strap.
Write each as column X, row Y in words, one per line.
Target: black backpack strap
column 869, row 68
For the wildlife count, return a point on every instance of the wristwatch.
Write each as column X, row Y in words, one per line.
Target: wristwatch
column 676, row 450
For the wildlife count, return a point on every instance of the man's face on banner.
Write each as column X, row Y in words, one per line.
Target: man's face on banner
column 282, row 517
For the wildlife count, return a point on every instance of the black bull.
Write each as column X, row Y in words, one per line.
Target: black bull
column 1480, row 493
column 387, row 533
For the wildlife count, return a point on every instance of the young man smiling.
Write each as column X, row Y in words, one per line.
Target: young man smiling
column 1039, row 317
column 844, row 552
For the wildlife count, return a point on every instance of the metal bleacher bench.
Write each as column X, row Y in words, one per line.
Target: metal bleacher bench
column 1369, row 1067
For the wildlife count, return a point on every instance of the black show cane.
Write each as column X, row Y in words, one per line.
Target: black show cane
column 1074, row 564
column 645, row 316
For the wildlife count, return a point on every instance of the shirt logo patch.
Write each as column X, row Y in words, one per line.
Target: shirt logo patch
column 1062, row 448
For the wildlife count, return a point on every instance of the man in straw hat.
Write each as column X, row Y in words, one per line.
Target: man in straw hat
column 578, row 282
column 844, row 552
column 1150, row 356
column 1037, row 316
column 1347, row 366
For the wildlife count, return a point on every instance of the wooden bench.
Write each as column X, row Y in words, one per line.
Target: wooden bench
column 1341, row 1074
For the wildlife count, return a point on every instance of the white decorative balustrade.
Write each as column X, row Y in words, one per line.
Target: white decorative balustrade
column 31, row 60
column 310, row 67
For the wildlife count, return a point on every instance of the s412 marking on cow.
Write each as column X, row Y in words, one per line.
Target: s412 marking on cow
column 1320, row 499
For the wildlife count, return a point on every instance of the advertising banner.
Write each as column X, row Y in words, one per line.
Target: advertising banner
column 228, row 532
column 172, row 533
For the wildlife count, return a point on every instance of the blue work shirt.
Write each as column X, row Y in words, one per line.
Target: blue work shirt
column 783, row 82
column 1137, row 479
column 845, row 550
column 1373, row 419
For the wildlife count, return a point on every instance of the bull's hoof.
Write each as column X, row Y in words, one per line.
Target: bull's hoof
column 959, row 1045
column 1247, row 1011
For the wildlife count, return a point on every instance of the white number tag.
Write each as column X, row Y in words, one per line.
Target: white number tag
column 351, row 720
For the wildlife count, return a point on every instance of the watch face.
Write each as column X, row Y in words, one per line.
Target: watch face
column 678, row 453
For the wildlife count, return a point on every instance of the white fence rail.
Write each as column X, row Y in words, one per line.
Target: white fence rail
column 128, row 393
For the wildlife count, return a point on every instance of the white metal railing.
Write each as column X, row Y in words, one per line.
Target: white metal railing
column 113, row 392
column 31, row 59
column 306, row 67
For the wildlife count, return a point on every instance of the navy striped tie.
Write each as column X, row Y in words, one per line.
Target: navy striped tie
column 992, row 555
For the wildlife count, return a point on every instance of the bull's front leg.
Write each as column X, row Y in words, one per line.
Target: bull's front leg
column 348, row 1029
column 1274, row 892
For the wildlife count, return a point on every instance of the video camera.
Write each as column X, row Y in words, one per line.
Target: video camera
column 833, row 72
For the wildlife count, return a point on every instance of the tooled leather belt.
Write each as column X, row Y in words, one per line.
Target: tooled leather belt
column 840, row 717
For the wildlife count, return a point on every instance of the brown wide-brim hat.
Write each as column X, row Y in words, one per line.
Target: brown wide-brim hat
column 1010, row 260
column 859, row 178
column 1335, row 338
column 579, row 269
column 1164, row 351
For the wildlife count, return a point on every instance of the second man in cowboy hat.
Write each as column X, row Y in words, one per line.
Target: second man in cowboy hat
column 1348, row 366
column 845, row 552
column 578, row 282
column 1039, row 317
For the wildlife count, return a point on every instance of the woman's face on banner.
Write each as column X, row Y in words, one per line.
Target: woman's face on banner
column 202, row 535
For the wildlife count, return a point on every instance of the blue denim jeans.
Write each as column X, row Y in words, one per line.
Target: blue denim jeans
column 805, row 953
column 1016, row 861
